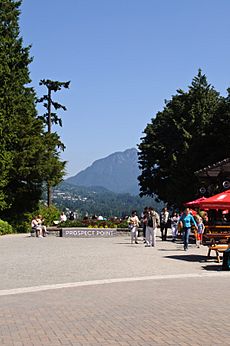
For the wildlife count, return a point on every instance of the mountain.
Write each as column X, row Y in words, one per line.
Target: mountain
column 117, row 172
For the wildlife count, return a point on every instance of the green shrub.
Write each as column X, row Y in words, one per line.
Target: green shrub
column 23, row 227
column 123, row 224
column 49, row 214
column 5, row 228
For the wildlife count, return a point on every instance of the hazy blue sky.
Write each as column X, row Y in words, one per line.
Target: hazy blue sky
column 123, row 58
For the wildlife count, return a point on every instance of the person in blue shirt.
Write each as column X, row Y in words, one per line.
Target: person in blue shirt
column 187, row 221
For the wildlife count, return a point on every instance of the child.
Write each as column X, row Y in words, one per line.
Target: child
column 200, row 231
column 174, row 224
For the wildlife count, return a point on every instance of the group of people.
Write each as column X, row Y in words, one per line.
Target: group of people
column 38, row 226
column 151, row 220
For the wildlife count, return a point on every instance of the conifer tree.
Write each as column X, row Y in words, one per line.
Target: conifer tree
column 54, row 143
column 23, row 142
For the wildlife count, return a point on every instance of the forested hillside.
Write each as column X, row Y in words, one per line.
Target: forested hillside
column 99, row 201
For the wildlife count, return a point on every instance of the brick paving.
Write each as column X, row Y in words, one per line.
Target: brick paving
column 181, row 310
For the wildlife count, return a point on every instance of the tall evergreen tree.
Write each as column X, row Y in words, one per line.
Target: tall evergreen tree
column 23, row 142
column 180, row 140
column 54, row 144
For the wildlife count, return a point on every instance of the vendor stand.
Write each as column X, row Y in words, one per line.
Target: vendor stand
column 217, row 232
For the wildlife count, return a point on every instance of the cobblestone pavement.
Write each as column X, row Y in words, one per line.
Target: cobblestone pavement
column 171, row 298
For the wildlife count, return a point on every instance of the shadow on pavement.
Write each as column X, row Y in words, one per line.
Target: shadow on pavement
column 128, row 244
column 172, row 250
column 188, row 258
column 213, row 267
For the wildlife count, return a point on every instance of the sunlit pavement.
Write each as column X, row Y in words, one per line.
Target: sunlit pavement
column 59, row 291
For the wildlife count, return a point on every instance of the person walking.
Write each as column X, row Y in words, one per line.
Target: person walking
column 174, row 225
column 144, row 215
column 152, row 221
column 164, row 218
column 134, row 223
column 187, row 220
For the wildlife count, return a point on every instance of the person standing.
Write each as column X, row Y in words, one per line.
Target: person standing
column 71, row 216
column 200, row 231
column 164, row 218
column 63, row 217
column 174, row 225
column 144, row 215
column 187, row 221
column 152, row 222
column 134, row 223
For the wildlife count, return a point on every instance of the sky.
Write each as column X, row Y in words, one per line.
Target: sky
column 124, row 58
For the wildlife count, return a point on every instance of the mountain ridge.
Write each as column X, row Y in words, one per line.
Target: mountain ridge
column 116, row 172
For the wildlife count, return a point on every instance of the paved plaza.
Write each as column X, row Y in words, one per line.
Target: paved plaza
column 105, row 291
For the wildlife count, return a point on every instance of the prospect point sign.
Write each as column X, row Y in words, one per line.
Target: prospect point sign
column 88, row 232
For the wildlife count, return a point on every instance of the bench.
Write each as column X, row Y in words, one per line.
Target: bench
column 50, row 230
column 54, row 230
column 218, row 248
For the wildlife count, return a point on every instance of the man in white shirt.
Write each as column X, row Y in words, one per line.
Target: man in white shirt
column 153, row 221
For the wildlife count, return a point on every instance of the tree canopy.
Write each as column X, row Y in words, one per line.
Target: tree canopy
column 192, row 131
column 24, row 163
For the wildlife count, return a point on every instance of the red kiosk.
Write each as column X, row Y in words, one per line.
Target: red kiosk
column 217, row 235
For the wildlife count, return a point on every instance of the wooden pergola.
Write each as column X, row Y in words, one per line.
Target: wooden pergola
column 215, row 178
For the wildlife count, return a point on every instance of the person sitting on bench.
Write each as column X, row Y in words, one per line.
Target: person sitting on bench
column 38, row 227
